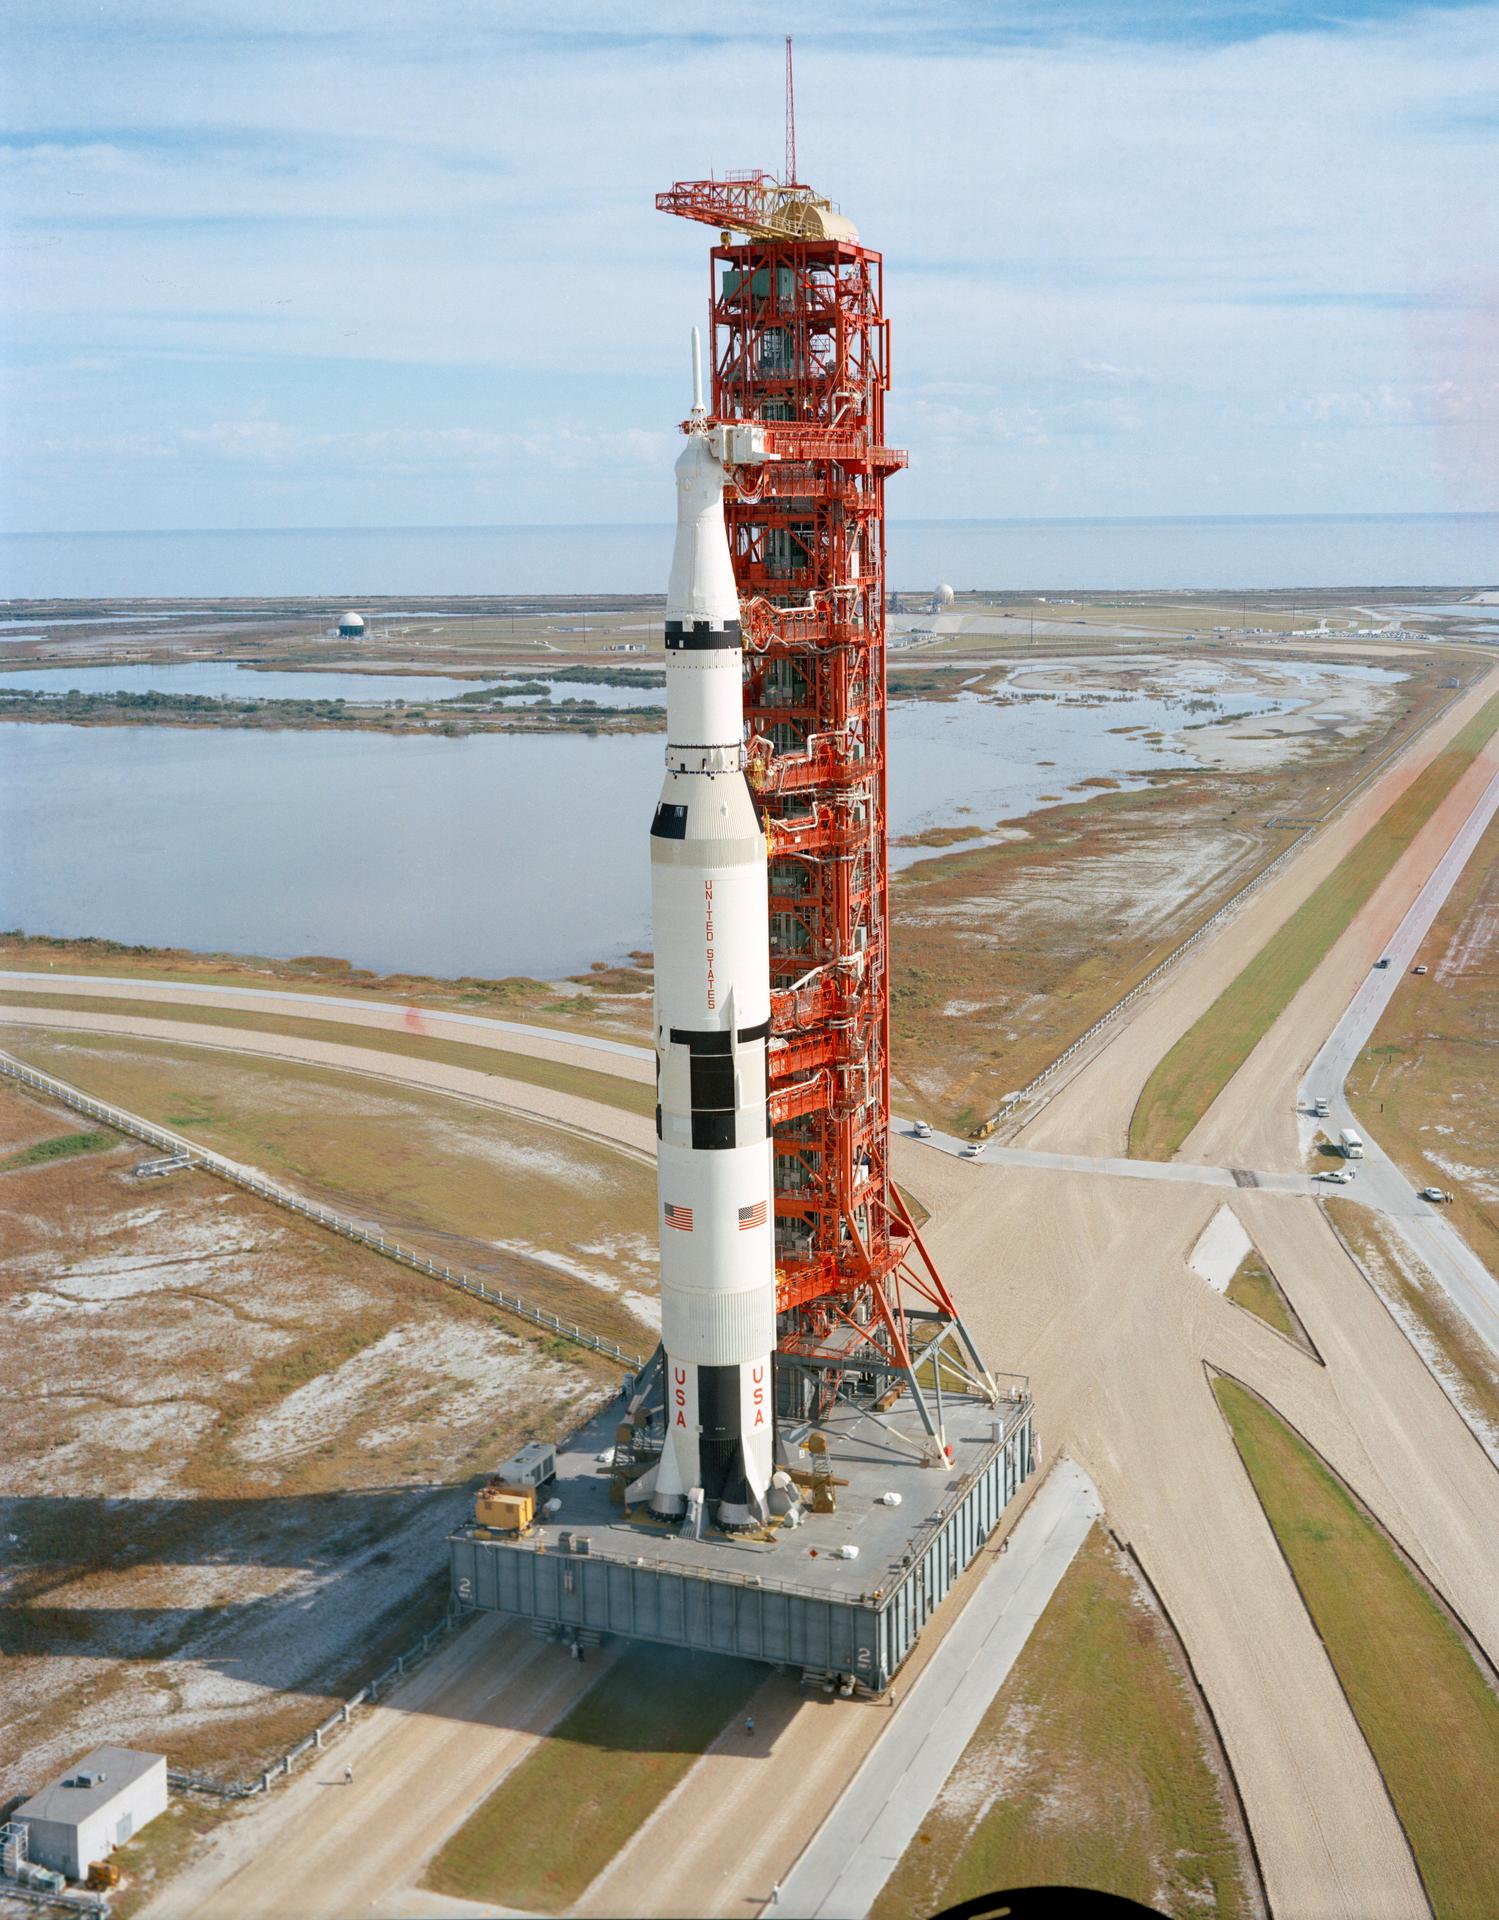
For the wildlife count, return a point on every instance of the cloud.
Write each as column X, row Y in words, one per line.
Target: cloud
column 567, row 447
column 421, row 239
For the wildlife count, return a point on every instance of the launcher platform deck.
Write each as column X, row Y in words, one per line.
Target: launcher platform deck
column 793, row 1600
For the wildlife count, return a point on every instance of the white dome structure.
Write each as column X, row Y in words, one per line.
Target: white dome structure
column 351, row 624
column 944, row 595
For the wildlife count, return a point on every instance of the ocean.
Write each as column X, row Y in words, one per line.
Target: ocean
column 358, row 563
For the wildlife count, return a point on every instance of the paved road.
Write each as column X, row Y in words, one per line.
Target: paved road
column 1085, row 1285
column 1113, row 1167
column 1090, row 1112
column 1093, row 1296
column 547, row 1043
column 1425, row 1229
column 628, row 1133
column 860, row 1844
column 320, row 1850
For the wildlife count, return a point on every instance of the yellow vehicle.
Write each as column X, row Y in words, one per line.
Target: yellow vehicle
column 507, row 1503
column 505, row 1509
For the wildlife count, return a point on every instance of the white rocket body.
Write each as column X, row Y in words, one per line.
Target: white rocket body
column 712, row 1019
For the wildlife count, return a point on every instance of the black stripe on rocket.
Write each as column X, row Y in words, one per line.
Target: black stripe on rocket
column 710, row 1066
column 721, row 1436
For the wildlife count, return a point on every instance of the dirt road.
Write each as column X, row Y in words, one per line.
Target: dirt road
column 471, row 1029
column 1091, row 1112
column 627, row 1132
column 318, row 1849
column 1081, row 1279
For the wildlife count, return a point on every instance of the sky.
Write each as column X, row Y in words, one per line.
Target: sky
column 365, row 264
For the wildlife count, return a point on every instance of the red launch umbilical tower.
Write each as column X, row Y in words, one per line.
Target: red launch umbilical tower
column 800, row 345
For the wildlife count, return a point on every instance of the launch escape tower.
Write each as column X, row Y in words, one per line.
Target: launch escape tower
column 800, row 345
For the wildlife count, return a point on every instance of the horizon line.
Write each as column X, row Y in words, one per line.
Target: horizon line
column 639, row 526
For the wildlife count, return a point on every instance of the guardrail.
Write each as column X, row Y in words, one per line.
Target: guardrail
column 1230, row 906
column 72, row 1901
column 256, row 1183
column 367, row 1695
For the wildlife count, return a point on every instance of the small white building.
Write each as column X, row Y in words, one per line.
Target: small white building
column 351, row 625
column 106, row 1799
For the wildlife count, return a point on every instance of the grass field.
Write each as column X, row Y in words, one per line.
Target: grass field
column 223, row 1518
column 1197, row 1069
column 1255, row 1288
column 553, row 1824
column 1088, row 1770
column 62, row 1147
column 1429, row 1714
column 587, row 1003
column 563, row 1221
column 158, row 1851
column 609, row 1089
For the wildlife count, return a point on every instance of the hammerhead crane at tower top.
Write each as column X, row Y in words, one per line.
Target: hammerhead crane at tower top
column 800, row 351
column 815, row 1451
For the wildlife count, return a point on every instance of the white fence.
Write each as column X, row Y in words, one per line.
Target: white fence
column 367, row 1696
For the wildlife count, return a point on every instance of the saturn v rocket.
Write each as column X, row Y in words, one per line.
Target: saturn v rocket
column 712, row 1028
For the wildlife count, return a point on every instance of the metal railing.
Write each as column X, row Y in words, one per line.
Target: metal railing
column 72, row 1900
column 256, row 1183
column 368, row 1695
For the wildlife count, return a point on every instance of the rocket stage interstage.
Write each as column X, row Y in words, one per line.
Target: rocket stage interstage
column 592, row 1570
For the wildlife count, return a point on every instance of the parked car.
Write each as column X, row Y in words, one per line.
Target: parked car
column 1418, row 969
column 1436, row 1194
column 1338, row 1176
column 922, row 1130
column 972, row 1150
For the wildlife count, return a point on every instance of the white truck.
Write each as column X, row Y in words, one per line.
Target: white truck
column 1351, row 1144
column 1319, row 1106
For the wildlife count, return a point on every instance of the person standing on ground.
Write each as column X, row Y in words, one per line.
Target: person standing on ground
column 348, row 1776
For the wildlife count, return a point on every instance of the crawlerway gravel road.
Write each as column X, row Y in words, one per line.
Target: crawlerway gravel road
column 1079, row 1278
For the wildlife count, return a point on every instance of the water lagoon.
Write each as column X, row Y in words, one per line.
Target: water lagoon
column 490, row 854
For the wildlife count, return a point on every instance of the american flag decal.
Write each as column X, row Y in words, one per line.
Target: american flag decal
column 752, row 1216
column 679, row 1217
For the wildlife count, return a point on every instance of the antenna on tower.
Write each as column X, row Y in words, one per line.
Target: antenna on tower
column 790, row 179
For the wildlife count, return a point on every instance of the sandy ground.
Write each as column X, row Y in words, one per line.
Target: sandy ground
column 233, row 1446
column 319, row 1849
column 504, row 1036
column 1322, row 705
column 626, row 1132
column 1095, row 1298
column 1090, row 1112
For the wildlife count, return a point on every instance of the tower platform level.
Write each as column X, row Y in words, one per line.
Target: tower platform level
column 792, row 1596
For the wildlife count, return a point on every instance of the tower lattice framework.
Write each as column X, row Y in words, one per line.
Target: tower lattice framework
column 800, row 344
